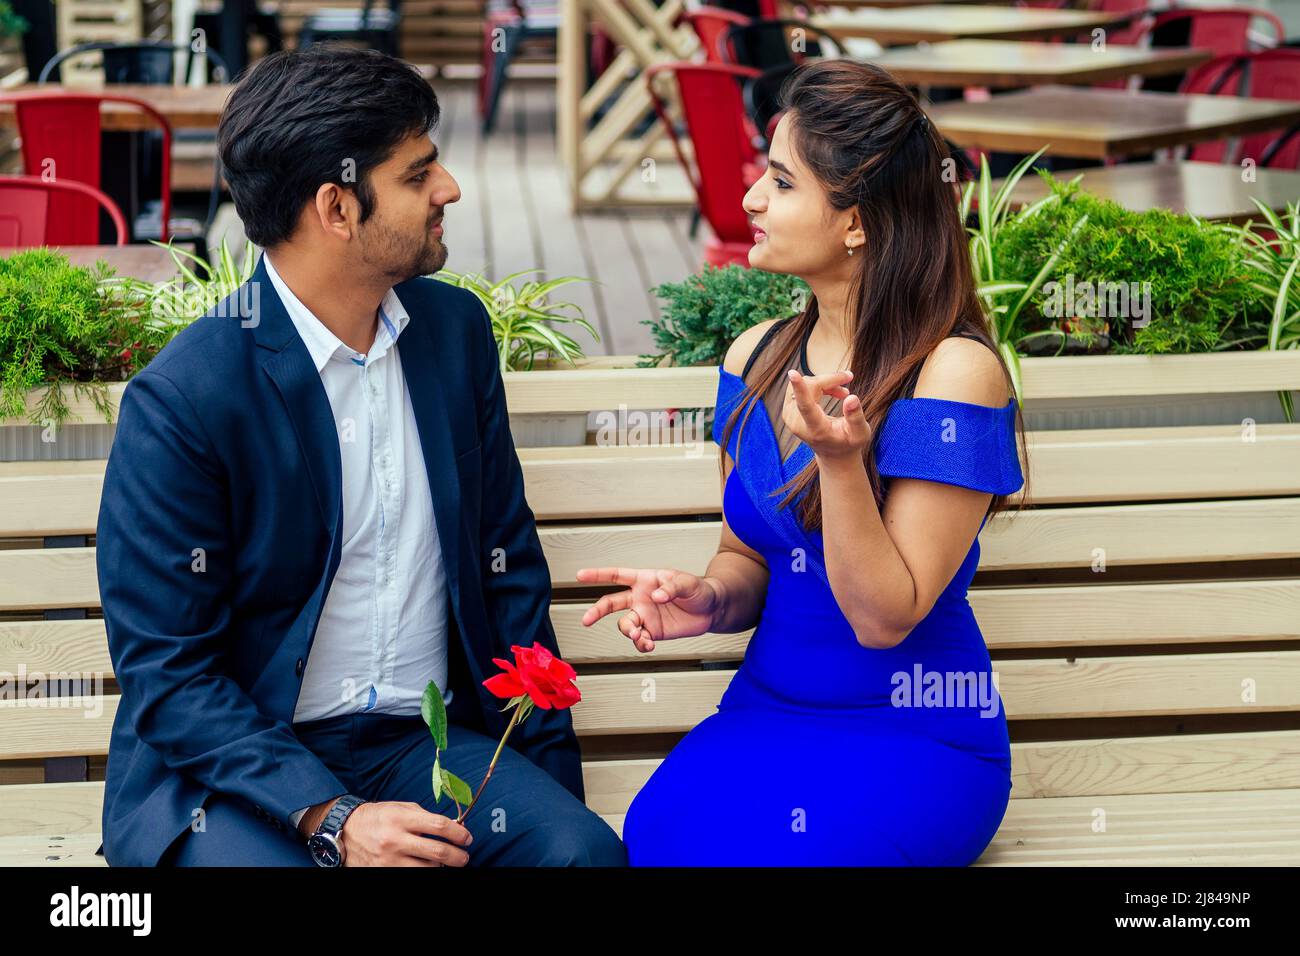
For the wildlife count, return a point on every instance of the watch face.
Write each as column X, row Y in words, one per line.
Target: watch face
column 324, row 851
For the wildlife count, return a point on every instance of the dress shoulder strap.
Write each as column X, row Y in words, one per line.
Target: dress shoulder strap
column 774, row 328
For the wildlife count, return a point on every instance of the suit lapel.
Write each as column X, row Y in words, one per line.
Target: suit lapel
column 433, row 422
column 290, row 367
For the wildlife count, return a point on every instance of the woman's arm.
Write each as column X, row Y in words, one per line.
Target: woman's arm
column 664, row 603
column 886, row 571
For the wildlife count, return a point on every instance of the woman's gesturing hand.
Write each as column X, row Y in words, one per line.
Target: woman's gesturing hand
column 828, row 436
column 661, row 604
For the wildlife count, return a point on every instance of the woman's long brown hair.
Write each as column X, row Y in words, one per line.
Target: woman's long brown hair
column 869, row 143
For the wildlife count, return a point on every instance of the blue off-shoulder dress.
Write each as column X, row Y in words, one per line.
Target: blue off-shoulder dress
column 823, row 752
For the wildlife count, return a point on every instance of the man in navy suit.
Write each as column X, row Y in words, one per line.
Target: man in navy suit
column 313, row 507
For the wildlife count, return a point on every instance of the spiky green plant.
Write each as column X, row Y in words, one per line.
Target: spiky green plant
column 1005, row 296
column 197, row 286
column 1275, row 261
column 523, row 317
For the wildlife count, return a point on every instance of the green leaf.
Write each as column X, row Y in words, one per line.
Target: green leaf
column 438, row 777
column 457, row 787
column 434, row 712
column 1279, row 305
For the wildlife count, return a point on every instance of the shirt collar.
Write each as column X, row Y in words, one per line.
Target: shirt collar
column 322, row 344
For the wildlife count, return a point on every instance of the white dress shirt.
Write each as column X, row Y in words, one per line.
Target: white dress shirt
column 382, row 634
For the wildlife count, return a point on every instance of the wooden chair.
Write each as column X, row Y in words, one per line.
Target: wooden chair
column 1153, row 705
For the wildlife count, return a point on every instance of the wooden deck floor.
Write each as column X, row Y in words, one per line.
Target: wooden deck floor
column 514, row 214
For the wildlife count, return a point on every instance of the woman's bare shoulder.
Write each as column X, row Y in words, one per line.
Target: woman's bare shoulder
column 963, row 370
column 743, row 347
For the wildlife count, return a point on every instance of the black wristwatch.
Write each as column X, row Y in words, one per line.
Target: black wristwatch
column 325, row 846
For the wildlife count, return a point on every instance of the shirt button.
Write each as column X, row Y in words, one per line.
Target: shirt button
column 298, row 668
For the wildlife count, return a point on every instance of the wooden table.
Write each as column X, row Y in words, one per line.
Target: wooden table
column 1206, row 190
column 146, row 262
column 1008, row 63
column 187, row 107
column 936, row 22
column 1099, row 123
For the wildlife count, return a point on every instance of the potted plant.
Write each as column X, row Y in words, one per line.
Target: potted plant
column 67, row 332
column 1075, row 274
column 523, row 324
column 80, row 332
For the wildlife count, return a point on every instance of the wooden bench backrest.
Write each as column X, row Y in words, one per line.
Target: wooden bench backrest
column 1075, row 660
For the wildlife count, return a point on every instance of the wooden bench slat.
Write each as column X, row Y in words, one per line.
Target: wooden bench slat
column 55, row 648
column 73, row 850
column 1156, row 534
column 51, row 809
column 1231, row 828
column 73, row 726
column 53, row 503
column 604, row 381
column 40, row 579
column 1131, row 615
column 1031, row 689
column 675, row 701
column 1096, row 768
column 1094, row 465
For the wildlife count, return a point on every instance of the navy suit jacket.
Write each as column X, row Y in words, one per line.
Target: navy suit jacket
column 219, row 534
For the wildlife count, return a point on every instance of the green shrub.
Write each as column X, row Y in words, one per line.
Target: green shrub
column 11, row 24
column 67, row 326
column 1201, row 293
column 704, row 313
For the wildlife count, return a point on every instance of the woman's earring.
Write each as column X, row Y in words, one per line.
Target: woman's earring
column 850, row 250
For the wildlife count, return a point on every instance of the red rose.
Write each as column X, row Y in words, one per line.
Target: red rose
column 539, row 674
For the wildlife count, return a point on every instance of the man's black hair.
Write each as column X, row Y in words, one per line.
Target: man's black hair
column 297, row 118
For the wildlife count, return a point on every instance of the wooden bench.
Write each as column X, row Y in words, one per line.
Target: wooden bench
column 1154, row 707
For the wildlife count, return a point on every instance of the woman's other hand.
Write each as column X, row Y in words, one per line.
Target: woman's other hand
column 661, row 604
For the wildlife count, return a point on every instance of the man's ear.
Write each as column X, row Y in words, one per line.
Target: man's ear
column 337, row 211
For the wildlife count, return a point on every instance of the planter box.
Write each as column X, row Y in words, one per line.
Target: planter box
column 1155, row 411
column 559, row 405
column 70, row 442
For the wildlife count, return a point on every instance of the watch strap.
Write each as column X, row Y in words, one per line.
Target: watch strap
column 339, row 813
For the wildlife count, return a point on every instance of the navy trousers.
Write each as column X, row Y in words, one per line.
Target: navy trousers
column 524, row 817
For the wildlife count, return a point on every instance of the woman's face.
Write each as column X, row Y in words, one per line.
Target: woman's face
column 797, row 231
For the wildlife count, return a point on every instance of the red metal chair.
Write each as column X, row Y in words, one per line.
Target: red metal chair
column 1223, row 30
column 710, row 95
column 25, row 204
column 1283, row 152
column 711, row 25
column 1267, row 74
column 60, row 134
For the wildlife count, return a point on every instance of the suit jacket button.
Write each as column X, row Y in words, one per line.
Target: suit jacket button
column 298, row 668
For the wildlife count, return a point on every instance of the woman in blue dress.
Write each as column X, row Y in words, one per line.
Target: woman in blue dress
column 866, row 442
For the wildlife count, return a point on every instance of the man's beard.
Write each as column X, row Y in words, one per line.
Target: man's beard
column 394, row 256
